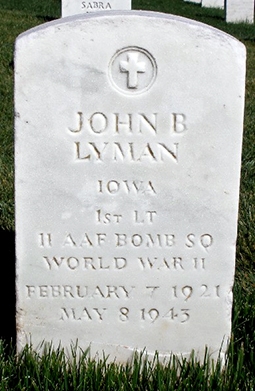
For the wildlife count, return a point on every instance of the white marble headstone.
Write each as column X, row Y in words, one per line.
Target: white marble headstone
column 194, row 1
column 213, row 3
column 127, row 182
column 237, row 11
column 74, row 7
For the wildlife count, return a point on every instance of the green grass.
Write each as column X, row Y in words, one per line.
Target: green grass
column 52, row 370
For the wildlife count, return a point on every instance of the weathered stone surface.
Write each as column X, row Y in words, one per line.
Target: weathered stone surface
column 128, row 151
column 74, row 7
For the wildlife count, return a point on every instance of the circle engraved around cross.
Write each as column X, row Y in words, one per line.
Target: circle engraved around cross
column 132, row 70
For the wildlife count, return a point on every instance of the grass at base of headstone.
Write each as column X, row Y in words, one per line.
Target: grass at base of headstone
column 54, row 370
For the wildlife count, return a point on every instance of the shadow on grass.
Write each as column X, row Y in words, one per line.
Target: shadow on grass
column 7, row 287
column 45, row 18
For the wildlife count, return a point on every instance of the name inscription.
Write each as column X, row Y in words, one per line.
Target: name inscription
column 164, row 131
column 95, row 5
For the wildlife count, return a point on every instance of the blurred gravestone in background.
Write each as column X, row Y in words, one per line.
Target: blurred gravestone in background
column 73, row 7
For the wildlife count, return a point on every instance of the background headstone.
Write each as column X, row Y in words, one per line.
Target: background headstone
column 213, row 3
column 74, row 7
column 237, row 11
column 127, row 182
column 194, row 1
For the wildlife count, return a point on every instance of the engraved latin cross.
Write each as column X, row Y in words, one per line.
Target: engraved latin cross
column 132, row 66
